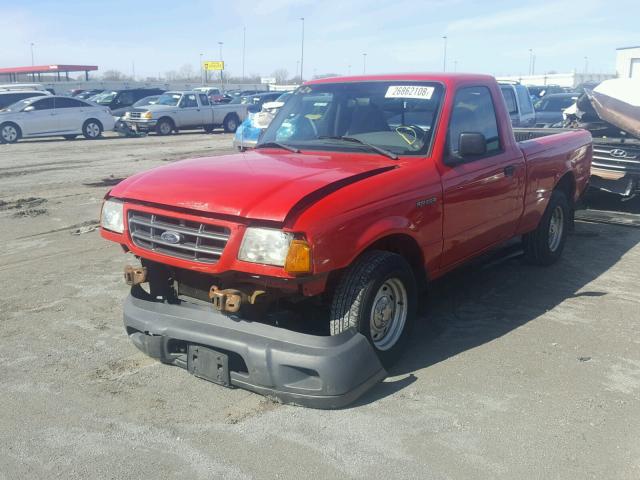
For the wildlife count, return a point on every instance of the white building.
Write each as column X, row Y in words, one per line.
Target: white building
column 628, row 62
column 561, row 79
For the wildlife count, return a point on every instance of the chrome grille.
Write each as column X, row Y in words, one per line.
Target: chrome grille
column 626, row 160
column 199, row 242
column 135, row 115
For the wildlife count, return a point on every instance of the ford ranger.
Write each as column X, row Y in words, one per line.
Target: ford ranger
column 185, row 110
column 360, row 192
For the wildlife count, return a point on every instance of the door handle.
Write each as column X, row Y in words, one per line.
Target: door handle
column 509, row 170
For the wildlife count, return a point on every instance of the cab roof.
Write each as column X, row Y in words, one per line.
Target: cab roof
column 446, row 78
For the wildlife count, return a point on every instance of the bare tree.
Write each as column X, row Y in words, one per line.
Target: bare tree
column 281, row 75
column 114, row 75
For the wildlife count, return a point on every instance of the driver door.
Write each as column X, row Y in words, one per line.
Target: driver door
column 189, row 111
column 41, row 120
column 483, row 197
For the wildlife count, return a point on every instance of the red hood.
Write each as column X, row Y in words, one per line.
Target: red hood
column 258, row 184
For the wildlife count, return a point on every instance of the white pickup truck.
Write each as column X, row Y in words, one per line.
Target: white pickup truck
column 183, row 110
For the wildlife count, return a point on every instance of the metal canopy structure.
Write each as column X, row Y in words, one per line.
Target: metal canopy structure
column 36, row 71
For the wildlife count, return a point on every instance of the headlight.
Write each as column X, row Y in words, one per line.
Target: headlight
column 147, row 115
column 265, row 245
column 127, row 114
column 113, row 216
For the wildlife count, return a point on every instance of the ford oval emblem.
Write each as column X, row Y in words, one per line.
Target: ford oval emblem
column 171, row 237
column 618, row 153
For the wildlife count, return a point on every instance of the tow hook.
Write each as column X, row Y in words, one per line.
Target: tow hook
column 135, row 275
column 230, row 299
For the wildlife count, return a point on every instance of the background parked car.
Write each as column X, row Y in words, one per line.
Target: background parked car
column 519, row 104
column 550, row 107
column 119, row 100
column 86, row 94
column 51, row 116
column 121, row 126
column 10, row 97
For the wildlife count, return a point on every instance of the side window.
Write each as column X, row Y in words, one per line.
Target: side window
column 189, row 101
column 125, row 99
column 204, row 100
column 524, row 99
column 510, row 99
column 69, row 103
column 44, row 104
column 473, row 112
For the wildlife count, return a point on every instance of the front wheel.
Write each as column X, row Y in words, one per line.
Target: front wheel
column 9, row 133
column 92, row 129
column 544, row 245
column 377, row 296
column 164, row 127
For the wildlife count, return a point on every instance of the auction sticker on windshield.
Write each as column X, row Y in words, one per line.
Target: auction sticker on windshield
column 409, row 91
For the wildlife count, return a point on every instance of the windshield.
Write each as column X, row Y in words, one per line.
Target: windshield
column 104, row 98
column 169, row 99
column 152, row 100
column 397, row 116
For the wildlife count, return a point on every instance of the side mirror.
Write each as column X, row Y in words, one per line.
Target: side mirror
column 472, row 144
column 30, row 108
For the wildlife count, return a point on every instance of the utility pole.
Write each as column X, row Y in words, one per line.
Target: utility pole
column 201, row 70
column 444, row 54
column 364, row 63
column 221, row 77
column 244, row 46
column 297, row 68
column 302, row 53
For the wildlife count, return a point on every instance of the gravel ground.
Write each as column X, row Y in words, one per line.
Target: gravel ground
column 513, row 372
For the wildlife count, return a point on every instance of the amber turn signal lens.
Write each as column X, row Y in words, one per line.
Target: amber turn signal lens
column 299, row 258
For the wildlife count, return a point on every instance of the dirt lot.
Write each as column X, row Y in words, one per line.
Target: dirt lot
column 514, row 372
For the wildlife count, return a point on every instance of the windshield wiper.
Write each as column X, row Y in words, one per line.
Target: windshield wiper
column 278, row 145
column 375, row 148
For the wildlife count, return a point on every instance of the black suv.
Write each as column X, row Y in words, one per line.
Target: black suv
column 119, row 100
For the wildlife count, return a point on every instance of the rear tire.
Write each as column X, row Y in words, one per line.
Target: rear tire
column 92, row 129
column 544, row 245
column 377, row 296
column 231, row 123
column 164, row 127
column 10, row 133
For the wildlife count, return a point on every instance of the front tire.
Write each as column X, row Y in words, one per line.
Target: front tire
column 377, row 296
column 544, row 245
column 9, row 133
column 164, row 127
column 92, row 129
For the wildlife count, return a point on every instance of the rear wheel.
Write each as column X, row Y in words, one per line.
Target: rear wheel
column 9, row 133
column 92, row 129
column 164, row 127
column 544, row 245
column 231, row 123
column 377, row 296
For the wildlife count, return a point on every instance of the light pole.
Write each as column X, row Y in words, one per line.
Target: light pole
column 244, row 46
column 586, row 64
column 455, row 65
column 32, row 62
column 302, row 52
column 364, row 63
column 201, row 70
column 221, row 78
column 297, row 68
column 444, row 55
column 349, row 69
column 533, row 64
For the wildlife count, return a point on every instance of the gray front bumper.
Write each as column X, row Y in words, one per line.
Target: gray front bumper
column 308, row 370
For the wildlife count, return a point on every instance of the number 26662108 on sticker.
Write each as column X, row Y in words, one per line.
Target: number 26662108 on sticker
column 409, row 91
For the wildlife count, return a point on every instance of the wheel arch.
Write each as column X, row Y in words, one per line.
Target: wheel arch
column 15, row 124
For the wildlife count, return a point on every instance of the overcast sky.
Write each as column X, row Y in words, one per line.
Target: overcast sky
column 398, row 36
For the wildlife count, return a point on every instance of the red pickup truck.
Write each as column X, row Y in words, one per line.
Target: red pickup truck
column 360, row 192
